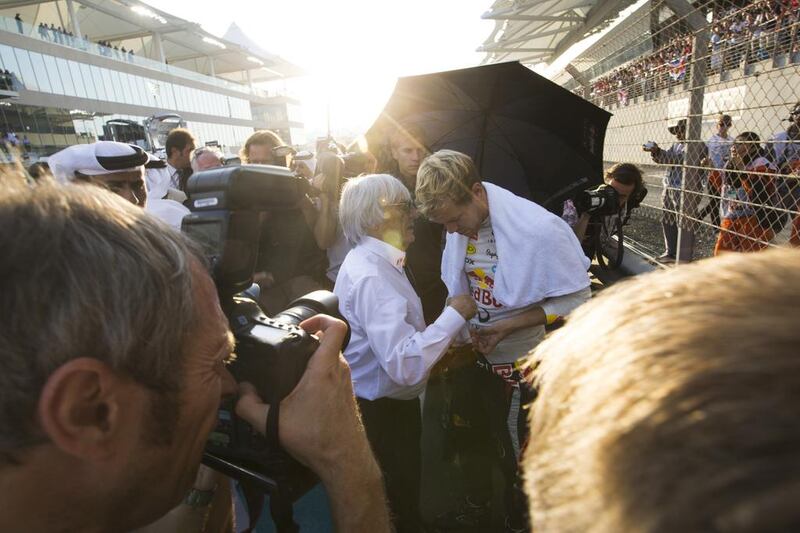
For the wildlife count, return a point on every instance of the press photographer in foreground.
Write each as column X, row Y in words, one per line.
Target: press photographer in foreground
column 112, row 363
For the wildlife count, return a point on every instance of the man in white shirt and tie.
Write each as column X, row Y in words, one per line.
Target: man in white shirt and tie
column 391, row 351
column 179, row 147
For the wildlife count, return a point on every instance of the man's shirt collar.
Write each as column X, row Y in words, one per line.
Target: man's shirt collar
column 394, row 256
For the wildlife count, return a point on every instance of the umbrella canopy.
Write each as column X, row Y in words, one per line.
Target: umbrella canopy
column 524, row 132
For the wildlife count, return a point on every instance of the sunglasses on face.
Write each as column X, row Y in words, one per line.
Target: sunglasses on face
column 406, row 207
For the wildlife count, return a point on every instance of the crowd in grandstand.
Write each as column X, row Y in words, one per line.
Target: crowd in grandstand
column 751, row 33
column 58, row 34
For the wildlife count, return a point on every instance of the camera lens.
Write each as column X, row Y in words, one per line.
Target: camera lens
column 313, row 303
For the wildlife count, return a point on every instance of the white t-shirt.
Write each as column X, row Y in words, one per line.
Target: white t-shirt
column 480, row 265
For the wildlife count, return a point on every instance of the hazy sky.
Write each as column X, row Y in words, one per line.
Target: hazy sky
column 354, row 50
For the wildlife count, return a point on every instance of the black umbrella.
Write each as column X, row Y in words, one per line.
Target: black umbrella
column 524, row 132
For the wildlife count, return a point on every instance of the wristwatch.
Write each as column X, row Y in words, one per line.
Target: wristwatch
column 197, row 498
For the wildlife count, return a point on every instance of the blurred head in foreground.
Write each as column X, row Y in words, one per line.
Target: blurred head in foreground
column 671, row 403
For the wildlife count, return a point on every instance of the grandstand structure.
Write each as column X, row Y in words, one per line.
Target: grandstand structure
column 666, row 60
column 72, row 67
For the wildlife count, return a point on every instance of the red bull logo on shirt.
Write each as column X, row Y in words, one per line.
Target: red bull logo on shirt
column 483, row 285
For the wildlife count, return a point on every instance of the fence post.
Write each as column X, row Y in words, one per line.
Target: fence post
column 580, row 78
column 692, row 176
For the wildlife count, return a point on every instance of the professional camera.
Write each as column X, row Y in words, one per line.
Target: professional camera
column 227, row 206
column 602, row 201
column 352, row 163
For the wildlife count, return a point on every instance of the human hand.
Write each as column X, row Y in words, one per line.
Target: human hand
column 302, row 169
column 319, row 418
column 464, row 304
column 485, row 339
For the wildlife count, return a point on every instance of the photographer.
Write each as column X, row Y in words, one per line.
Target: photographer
column 333, row 168
column 291, row 262
column 113, row 359
column 626, row 192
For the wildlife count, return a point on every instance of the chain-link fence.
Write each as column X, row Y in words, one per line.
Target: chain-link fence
column 708, row 111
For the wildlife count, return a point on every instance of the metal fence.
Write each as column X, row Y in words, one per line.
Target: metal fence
column 716, row 93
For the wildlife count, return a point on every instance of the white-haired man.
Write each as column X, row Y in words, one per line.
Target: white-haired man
column 391, row 351
column 206, row 158
column 523, row 266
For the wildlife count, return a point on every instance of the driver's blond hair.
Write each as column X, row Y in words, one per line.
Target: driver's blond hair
column 444, row 176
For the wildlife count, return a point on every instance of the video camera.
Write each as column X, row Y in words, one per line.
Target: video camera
column 227, row 204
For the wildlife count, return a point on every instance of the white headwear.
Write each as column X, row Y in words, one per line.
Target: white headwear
column 157, row 177
column 102, row 157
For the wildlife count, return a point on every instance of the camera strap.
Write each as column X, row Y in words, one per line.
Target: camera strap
column 280, row 507
column 271, row 430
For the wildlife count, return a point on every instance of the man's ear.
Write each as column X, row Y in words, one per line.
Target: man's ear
column 79, row 408
column 479, row 191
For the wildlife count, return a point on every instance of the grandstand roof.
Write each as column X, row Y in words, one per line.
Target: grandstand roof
column 138, row 26
column 536, row 31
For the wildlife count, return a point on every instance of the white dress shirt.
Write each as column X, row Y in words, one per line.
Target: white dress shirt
column 174, row 177
column 391, row 351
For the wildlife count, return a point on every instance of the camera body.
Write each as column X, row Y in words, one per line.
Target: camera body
column 601, row 201
column 227, row 204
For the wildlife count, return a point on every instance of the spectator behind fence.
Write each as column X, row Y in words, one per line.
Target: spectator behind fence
column 673, row 158
column 783, row 149
column 637, row 428
column 113, row 348
column 523, row 266
column 719, row 151
column 391, row 351
column 747, row 194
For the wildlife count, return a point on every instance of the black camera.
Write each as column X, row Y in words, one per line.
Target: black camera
column 344, row 164
column 227, row 207
column 602, row 201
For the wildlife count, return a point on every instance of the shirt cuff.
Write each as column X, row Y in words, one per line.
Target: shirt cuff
column 450, row 321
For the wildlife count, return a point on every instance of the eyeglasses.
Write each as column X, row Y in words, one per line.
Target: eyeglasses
column 407, row 206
